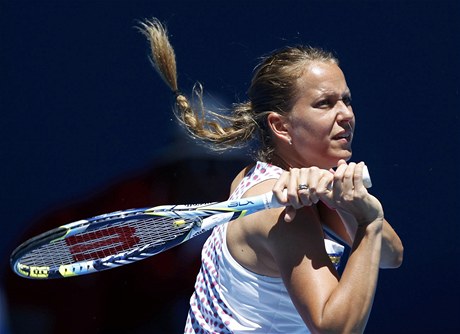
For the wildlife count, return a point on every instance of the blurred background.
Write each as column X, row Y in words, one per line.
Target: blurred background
column 87, row 128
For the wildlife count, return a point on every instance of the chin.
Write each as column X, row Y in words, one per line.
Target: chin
column 336, row 159
column 346, row 155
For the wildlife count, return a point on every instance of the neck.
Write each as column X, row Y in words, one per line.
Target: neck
column 279, row 161
column 282, row 162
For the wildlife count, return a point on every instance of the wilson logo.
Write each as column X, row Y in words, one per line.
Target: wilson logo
column 101, row 243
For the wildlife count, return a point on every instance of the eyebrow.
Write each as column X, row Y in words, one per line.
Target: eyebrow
column 328, row 92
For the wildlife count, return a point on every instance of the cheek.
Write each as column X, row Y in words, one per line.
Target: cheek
column 310, row 132
column 309, row 126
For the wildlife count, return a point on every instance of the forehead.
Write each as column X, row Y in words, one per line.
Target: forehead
column 319, row 77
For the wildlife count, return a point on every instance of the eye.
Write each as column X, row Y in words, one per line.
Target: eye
column 322, row 103
column 347, row 100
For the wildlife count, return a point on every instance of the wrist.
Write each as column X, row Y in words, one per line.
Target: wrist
column 359, row 221
column 370, row 224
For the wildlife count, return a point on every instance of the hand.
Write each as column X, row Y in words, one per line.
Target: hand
column 342, row 190
column 304, row 187
column 349, row 195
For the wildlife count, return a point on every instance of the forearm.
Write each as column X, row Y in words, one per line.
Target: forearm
column 392, row 248
column 348, row 308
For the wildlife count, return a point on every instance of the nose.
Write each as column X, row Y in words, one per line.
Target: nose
column 345, row 112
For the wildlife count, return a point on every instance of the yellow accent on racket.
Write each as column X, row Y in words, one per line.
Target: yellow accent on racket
column 179, row 223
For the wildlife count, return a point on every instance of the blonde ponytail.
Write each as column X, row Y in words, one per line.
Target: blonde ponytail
column 163, row 57
column 219, row 130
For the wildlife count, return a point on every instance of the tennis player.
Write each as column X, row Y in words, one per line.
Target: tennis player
column 276, row 271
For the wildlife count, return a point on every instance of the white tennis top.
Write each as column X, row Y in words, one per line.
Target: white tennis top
column 228, row 298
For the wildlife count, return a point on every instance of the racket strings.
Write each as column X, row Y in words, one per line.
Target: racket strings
column 137, row 234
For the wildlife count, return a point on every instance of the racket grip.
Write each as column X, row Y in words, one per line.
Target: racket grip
column 366, row 177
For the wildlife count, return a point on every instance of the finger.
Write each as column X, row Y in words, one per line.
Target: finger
column 348, row 178
column 325, row 183
column 341, row 162
column 359, row 177
column 337, row 186
column 324, row 189
column 315, row 175
column 292, row 188
column 289, row 214
column 303, row 188
column 280, row 185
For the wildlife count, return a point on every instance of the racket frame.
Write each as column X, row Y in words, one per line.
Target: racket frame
column 204, row 218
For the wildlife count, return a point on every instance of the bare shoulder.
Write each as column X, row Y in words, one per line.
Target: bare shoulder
column 247, row 236
column 264, row 243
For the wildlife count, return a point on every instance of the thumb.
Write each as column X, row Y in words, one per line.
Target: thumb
column 289, row 214
column 341, row 162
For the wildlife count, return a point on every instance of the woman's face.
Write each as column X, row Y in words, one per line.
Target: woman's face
column 321, row 122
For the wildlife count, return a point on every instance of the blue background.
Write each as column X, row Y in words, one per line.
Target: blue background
column 82, row 108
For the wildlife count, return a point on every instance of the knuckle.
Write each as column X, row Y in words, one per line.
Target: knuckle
column 348, row 198
column 349, row 173
column 291, row 194
column 294, row 170
column 337, row 178
column 306, row 201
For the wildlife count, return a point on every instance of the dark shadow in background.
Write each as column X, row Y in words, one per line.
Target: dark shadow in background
column 87, row 127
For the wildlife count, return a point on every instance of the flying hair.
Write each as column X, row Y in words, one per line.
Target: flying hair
column 219, row 130
column 273, row 89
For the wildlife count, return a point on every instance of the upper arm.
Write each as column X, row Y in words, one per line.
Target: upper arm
column 293, row 250
column 298, row 250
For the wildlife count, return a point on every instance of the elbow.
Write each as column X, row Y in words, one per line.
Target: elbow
column 338, row 324
column 336, row 330
column 394, row 264
column 396, row 259
column 399, row 258
column 398, row 255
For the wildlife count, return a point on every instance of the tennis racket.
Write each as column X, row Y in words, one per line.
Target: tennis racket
column 122, row 237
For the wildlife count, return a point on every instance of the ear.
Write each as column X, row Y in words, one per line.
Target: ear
column 279, row 126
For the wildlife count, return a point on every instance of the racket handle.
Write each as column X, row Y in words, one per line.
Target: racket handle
column 366, row 177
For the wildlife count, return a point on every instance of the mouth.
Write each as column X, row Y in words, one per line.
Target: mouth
column 345, row 135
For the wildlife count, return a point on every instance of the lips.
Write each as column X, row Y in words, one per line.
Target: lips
column 343, row 135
